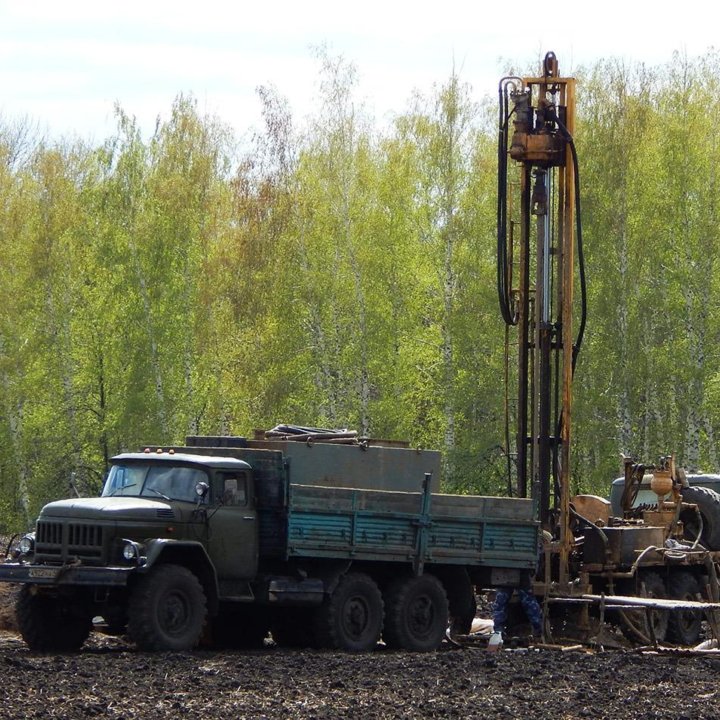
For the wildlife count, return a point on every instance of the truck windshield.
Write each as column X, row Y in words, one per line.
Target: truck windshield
column 171, row 482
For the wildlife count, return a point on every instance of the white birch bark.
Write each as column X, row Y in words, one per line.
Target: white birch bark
column 624, row 416
column 14, row 414
column 152, row 337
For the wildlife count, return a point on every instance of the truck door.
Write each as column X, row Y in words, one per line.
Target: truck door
column 233, row 527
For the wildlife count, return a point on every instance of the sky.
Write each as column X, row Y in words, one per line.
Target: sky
column 64, row 65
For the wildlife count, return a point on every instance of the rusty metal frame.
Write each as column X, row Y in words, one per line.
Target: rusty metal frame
column 544, row 310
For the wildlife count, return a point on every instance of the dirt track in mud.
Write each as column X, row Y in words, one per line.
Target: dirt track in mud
column 109, row 679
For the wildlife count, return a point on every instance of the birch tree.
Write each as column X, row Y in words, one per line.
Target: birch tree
column 443, row 132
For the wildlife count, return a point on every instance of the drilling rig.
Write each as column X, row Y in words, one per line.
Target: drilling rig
column 542, row 111
column 652, row 570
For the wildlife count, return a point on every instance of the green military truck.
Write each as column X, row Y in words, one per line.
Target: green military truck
column 225, row 540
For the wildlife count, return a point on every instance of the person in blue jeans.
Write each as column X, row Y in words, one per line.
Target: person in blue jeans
column 529, row 603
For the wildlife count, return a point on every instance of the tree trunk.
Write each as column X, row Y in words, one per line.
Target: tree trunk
column 624, row 417
column 14, row 413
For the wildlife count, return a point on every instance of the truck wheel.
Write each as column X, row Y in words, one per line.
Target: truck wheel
column 684, row 625
column 167, row 609
column 654, row 588
column 417, row 614
column 293, row 628
column 52, row 622
column 352, row 617
column 708, row 502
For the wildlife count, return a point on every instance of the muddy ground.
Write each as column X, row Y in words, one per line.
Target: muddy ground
column 109, row 679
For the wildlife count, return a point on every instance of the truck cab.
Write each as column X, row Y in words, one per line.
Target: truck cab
column 189, row 520
column 151, row 501
column 211, row 500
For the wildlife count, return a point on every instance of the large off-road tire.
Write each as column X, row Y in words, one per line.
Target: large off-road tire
column 240, row 627
column 684, row 625
column 352, row 617
column 708, row 502
column 416, row 613
column 293, row 628
column 654, row 588
column 52, row 622
column 167, row 609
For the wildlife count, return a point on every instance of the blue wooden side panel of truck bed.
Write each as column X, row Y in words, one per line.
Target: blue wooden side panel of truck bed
column 391, row 526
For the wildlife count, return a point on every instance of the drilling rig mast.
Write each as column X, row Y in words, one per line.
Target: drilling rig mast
column 536, row 271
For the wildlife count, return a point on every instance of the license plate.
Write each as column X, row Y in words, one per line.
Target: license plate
column 42, row 572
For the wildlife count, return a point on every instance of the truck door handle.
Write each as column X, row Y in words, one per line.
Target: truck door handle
column 248, row 517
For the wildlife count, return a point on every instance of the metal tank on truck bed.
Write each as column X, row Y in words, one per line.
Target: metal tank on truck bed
column 322, row 544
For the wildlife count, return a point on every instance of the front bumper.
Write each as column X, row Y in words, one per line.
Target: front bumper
column 85, row 575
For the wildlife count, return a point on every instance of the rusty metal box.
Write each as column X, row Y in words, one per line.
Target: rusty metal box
column 624, row 544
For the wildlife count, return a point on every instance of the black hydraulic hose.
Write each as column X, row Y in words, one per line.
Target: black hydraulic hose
column 581, row 259
column 502, row 250
column 580, row 251
column 503, row 297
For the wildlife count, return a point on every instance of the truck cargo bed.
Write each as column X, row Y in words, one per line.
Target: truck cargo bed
column 366, row 503
column 385, row 525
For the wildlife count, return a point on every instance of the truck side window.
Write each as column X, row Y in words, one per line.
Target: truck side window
column 234, row 489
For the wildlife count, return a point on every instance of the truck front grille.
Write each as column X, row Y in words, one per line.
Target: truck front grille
column 65, row 541
column 49, row 533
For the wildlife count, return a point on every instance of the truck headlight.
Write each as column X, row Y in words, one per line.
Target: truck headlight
column 131, row 551
column 26, row 544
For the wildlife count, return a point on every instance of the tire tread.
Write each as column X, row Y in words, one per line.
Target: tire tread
column 327, row 623
column 45, row 627
column 396, row 632
column 708, row 502
column 142, row 624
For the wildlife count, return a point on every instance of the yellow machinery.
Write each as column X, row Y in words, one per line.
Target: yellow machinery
column 642, row 560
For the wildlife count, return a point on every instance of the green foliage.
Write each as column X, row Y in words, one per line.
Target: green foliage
column 342, row 274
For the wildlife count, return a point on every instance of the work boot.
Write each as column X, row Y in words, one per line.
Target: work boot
column 495, row 642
